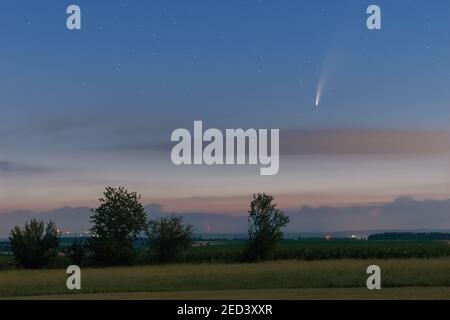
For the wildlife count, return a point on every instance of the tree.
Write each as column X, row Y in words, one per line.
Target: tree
column 265, row 224
column 118, row 221
column 34, row 245
column 169, row 237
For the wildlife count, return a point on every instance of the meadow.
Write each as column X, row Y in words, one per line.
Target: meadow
column 300, row 269
column 408, row 278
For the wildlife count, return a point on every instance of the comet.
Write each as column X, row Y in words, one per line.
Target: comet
column 319, row 90
column 331, row 59
column 318, row 94
column 329, row 64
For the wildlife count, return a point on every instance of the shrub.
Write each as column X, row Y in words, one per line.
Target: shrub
column 169, row 237
column 34, row 245
column 76, row 252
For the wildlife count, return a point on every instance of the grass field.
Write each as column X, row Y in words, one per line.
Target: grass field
column 401, row 279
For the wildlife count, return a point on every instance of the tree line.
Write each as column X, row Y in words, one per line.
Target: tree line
column 120, row 219
column 410, row 236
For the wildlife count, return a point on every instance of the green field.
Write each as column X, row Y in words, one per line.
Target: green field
column 231, row 251
column 7, row 262
column 401, row 279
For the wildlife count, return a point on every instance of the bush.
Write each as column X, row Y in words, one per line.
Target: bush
column 111, row 251
column 76, row 252
column 169, row 237
column 34, row 245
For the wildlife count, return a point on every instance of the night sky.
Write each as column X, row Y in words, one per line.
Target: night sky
column 84, row 109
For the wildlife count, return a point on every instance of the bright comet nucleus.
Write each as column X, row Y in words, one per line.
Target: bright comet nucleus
column 319, row 92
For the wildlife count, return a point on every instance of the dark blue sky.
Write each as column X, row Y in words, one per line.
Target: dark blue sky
column 213, row 59
column 83, row 109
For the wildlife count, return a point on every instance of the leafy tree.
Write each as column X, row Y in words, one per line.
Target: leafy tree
column 265, row 224
column 34, row 245
column 169, row 237
column 118, row 221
